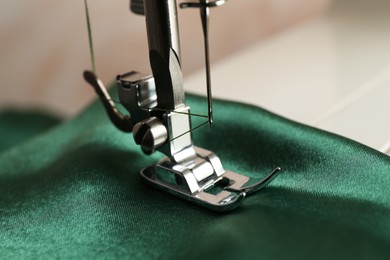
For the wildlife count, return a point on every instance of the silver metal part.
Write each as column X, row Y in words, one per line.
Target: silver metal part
column 160, row 119
column 164, row 52
column 199, row 182
column 150, row 134
column 141, row 87
column 137, row 93
column 180, row 144
column 204, row 6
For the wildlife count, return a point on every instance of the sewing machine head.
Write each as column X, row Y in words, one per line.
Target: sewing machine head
column 160, row 120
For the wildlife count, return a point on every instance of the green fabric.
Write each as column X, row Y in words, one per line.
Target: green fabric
column 18, row 126
column 75, row 192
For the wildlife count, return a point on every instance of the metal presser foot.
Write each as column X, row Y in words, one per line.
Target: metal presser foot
column 203, row 181
column 160, row 120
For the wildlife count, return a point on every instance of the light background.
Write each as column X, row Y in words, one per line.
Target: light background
column 44, row 44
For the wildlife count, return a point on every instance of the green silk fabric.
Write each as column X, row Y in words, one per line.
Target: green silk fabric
column 74, row 191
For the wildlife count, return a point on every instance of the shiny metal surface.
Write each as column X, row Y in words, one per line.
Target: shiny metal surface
column 137, row 93
column 180, row 146
column 162, row 121
column 221, row 191
column 204, row 6
column 164, row 52
column 150, row 134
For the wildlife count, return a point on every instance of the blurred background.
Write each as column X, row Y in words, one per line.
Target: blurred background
column 320, row 62
column 44, row 43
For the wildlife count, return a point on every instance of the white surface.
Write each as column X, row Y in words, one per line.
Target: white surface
column 332, row 73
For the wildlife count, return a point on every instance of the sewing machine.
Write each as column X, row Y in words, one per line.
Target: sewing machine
column 161, row 121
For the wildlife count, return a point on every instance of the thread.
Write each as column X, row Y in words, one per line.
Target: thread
column 92, row 54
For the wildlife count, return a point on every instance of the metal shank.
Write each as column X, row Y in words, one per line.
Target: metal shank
column 164, row 52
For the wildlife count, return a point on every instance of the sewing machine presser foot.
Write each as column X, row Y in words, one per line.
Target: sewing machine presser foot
column 205, row 183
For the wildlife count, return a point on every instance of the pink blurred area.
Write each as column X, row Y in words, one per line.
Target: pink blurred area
column 44, row 44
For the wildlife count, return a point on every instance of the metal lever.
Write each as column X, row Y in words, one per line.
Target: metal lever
column 123, row 122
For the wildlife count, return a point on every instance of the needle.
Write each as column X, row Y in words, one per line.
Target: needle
column 90, row 37
column 204, row 14
column 204, row 6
